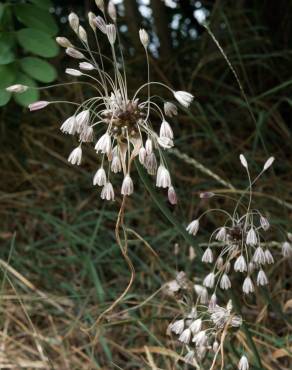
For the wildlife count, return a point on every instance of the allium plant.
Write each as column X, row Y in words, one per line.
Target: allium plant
column 121, row 125
column 119, row 122
column 239, row 243
column 204, row 324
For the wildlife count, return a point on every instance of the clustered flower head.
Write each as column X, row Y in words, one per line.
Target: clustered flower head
column 239, row 244
column 201, row 327
column 121, row 125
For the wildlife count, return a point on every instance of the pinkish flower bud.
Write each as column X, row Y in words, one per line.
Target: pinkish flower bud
column 111, row 33
column 38, row 105
column 86, row 66
column 171, row 194
column 100, row 24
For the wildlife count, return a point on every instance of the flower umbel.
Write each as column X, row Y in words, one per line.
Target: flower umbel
column 239, row 242
column 124, row 123
column 200, row 328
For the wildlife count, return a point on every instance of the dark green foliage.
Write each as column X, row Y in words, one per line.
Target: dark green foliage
column 26, row 29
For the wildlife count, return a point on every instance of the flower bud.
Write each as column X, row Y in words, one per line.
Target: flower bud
column 91, row 18
column 192, row 253
column 74, row 53
column 144, row 38
column 111, row 33
column 171, row 195
column 73, row 72
column 18, row 88
column 100, row 4
column 64, row 42
column 206, row 195
column 170, row 109
column 82, row 34
column 86, row 66
column 215, row 346
column 264, row 223
column 243, row 161
column 38, row 105
column 243, row 363
column 100, row 24
column 142, row 155
column 74, row 21
column 268, row 163
column 111, row 9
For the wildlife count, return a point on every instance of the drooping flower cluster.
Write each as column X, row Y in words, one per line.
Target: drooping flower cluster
column 239, row 243
column 200, row 328
column 122, row 124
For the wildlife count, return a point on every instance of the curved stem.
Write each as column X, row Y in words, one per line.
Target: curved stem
column 123, row 248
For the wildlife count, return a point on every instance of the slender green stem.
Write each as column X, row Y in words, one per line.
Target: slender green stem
column 246, row 330
column 157, row 199
column 275, row 305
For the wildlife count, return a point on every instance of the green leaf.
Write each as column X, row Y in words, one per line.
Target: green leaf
column 5, row 16
column 44, row 4
column 4, row 97
column 38, row 69
column 37, row 42
column 7, row 38
column 7, row 75
column 31, row 95
column 6, row 54
column 34, row 17
column 1, row 10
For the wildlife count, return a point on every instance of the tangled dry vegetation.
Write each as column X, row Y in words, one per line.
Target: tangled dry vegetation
column 60, row 267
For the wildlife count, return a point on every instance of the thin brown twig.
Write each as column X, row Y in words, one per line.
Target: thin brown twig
column 123, row 248
column 221, row 347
